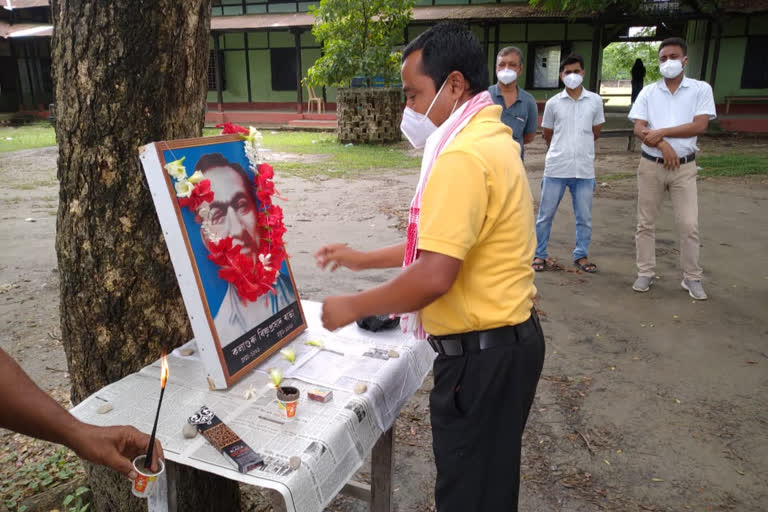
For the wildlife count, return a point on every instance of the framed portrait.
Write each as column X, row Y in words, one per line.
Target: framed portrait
column 224, row 236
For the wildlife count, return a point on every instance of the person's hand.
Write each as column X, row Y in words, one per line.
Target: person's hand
column 671, row 160
column 338, row 311
column 339, row 255
column 115, row 447
column 653, row 137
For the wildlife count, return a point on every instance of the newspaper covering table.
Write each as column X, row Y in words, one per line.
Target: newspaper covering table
column 332, row 439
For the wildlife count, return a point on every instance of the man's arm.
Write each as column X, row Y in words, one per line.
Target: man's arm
column 420, row 284
column 598, row 119
column 641, row 128
column 27, row 409
column 532, row 123
column 547, row 134
column 340, row 255
column 692, row 129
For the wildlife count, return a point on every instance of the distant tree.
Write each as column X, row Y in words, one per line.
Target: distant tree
column 359, row 38
column 618, row 59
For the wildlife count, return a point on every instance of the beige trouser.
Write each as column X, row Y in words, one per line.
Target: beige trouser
column 653, row 180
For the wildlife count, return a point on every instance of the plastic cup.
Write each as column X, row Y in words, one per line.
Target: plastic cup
column 287, row 401
column 146, row 481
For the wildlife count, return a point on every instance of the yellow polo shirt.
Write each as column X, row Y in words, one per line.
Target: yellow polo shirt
column 477, row 207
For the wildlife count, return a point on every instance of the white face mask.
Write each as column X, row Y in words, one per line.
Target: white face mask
column 671, row 68
column 418, row 127
column 573, row 81
column 507, row 76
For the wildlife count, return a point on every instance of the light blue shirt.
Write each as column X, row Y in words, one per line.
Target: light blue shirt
column 522, row 116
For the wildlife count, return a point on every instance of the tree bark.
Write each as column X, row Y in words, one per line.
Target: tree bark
column 125, row 74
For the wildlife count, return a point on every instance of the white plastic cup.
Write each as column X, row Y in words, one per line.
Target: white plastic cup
column 146, row 481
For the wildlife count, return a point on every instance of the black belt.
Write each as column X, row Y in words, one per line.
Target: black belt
column 475, row 341
column 660, row 160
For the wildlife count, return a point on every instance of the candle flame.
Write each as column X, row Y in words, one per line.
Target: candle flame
column 165, row 370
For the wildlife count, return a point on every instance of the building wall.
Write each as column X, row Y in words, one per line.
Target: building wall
column 572, row 37
column 259, row 44
column 731, row 61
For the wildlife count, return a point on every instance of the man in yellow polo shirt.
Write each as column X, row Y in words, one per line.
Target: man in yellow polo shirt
column 467, row 272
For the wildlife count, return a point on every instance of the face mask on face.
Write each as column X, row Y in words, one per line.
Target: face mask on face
column 507, row 76
column 671, row 68
column 573, row 81
column 418, row 127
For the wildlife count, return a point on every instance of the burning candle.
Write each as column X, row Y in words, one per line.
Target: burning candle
column 163, row 379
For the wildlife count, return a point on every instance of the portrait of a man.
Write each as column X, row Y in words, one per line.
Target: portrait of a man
column 233, row 213
column 215, row 199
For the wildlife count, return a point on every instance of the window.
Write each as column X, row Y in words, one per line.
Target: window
column 545, row 60
column 212, row 71
column 754, row 75
column 283, row 61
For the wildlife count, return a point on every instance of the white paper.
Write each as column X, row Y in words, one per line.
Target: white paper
column 332, row 439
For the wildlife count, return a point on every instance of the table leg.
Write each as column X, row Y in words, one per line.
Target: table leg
column 381, row 472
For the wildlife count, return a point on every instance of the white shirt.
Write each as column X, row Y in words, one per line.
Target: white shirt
column 235, row 318
column 571, row 153
column 663, row 109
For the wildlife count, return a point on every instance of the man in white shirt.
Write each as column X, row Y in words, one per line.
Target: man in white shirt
column 571, row 125
column 668, row 116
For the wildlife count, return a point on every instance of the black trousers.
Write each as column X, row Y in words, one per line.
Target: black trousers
column 479, row 406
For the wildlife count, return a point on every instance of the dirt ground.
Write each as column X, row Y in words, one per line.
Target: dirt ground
column 647, row 402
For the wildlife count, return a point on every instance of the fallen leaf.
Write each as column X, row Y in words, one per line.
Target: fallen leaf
column 751, row 362
column 675, row 317
column 656, row 480
column 677, row 401
column 618, row 451
column 606, row 461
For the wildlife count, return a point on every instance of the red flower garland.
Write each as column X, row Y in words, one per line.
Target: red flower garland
column 202, row 193
column 252, row 275
column 228, row 128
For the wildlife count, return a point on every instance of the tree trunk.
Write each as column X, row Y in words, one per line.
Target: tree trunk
column 125, row 74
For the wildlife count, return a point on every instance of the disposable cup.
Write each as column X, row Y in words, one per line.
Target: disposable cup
column 146, row 481
column 287, row 401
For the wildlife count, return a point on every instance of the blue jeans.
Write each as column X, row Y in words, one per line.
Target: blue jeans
column 552, row 190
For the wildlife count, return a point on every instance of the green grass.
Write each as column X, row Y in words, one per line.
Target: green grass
column 34, row 135
column 338, row 159
column 732, row 164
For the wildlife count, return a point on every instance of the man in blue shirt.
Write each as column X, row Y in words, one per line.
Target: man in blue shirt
column 519, row 110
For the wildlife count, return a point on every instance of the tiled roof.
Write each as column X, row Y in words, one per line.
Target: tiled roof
column 25, row 30
column 23, row 4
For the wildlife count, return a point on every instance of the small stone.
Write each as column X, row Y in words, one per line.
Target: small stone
column 295, row 462
column 189, row 431
column 360, row 388
column 393, row 354
column 104, row 408
column 187, row 351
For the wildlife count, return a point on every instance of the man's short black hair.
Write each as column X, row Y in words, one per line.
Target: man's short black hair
column 211, row 160
column 449, row 47
column 572, row 59
column 675, row 41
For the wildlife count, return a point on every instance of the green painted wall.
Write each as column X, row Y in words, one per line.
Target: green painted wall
column 732, row 52
column 510, row 34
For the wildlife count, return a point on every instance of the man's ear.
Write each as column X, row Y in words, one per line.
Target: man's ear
column 457, row 83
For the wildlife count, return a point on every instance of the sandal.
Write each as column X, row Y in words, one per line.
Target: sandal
column 539, row 265
column 589, row 268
